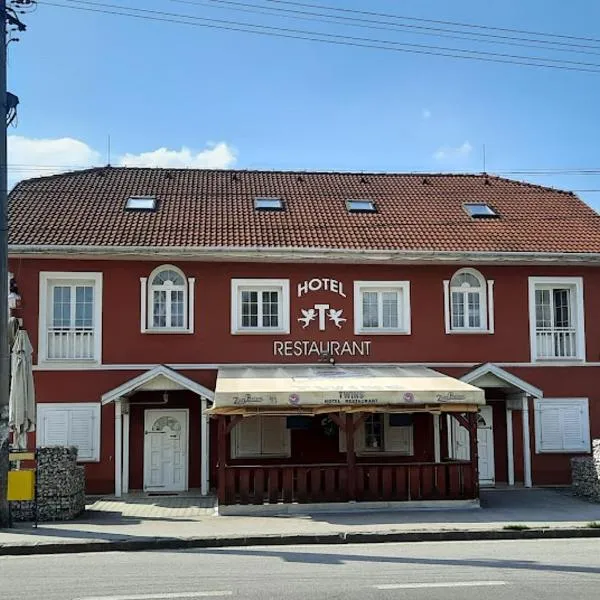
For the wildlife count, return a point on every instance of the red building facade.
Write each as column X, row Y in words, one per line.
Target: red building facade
column 131, row 339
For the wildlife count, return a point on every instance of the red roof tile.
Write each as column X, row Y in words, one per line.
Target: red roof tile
column 202, row 208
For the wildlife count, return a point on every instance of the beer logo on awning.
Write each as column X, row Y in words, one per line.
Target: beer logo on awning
column 294, row 399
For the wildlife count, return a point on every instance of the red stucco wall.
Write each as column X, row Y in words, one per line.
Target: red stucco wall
column 212, row 343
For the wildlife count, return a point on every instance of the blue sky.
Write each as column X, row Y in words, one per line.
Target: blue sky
column 209, row 97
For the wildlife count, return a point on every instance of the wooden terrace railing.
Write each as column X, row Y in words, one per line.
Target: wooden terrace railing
column 271, row 484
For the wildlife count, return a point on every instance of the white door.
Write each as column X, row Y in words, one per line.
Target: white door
column 166, row 450
column 461, row 449
column 485, row 445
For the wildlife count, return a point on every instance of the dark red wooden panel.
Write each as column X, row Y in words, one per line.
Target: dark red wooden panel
column 415, row 483
column 330, row 484
column 301, row 484
column 288, row 484
column 273, row 474
column 387, row 488
column 259, row 486
column 315, row 493
column 244, row 483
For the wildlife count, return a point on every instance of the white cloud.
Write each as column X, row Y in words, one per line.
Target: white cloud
column 36, row 157
column 215, row 156
column 426, row 113
column 452, row 153
column 31, row 157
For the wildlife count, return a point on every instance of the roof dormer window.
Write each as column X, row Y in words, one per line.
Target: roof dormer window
column 480, row 210
column 141, row 203
column 268, row 204
column 361, row 206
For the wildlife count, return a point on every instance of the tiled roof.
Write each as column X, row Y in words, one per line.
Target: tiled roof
column 203, row 208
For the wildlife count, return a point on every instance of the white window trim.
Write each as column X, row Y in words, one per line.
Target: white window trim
column 235, row 454
column 577, row 283
column 72, row 406
column 146, row 304
column 538, row 402
column 48, row 277
column 282, row 285
column 486, row 307
column 379, row 286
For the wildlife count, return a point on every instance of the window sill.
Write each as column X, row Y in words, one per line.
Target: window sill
column 559, row 359
column 169, row 331
column 469, row 332
column 381, row 453
column 51, row 362
column 578, row 451
column 243, row 456
column 381, row 332
column 260, row 332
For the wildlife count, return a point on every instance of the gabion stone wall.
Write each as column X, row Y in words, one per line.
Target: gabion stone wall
column 60, row 487
column 585, row 472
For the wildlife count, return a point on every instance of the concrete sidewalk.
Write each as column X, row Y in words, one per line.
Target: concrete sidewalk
column 161, row 523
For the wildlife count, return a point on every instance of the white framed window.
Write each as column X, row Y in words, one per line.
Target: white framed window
column 382, row 433
column 469, row 303
column 260, row 306
column 73, row 424
column 562, row 425
column 381, row 307
column 167, row 301
column 70, row 323
column 261, row 436
column 556, row 318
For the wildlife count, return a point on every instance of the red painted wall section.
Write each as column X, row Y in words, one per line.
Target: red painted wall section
column 212, row 342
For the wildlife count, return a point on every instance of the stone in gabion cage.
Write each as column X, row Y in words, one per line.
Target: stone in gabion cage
column 60, row 487
column 585, row 471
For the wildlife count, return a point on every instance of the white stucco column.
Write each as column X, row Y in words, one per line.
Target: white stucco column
column 437, row 451
column 125, row 411
column 510, row 446
column 526, row 442
column 205, row 449
column 118, row 448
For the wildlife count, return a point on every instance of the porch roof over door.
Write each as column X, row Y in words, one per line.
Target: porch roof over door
column 158, row 378
column 323, row 389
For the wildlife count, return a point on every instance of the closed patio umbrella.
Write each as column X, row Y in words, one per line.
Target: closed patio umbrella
column 21, row 402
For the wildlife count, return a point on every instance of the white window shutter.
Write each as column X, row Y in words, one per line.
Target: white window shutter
column 55, row 428
column 398, row 439
column 574, row 436
column 81, row 432
column 246, row 437
column 275, row 439
column 550, row 428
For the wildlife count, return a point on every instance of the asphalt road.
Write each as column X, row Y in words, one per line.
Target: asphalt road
column 523, row 570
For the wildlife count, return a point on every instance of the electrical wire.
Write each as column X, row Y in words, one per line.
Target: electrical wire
column 326, row 38
column 387, row 25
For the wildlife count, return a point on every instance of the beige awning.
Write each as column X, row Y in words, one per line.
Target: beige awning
column 320, row 389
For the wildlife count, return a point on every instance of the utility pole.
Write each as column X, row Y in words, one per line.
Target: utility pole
column 4, row 349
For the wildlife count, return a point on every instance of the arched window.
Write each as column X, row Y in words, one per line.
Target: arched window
column 467, row 302
column 167, row 299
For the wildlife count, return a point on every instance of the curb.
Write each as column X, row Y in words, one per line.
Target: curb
column 145, row 544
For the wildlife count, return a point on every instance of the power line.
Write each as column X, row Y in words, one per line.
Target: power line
column 327, row 38
column 435, row 21
column 321, row 17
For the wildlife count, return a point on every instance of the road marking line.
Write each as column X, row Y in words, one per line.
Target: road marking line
column 444, row 584
column 163, row 596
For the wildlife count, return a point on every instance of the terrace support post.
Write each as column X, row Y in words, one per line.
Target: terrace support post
column 472, row 419
column 221, row 455
column 350, row 456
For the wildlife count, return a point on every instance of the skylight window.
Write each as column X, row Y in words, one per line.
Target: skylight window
column 479, row 210
column 268, row 203
column 360, row 205
column 142, row 203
